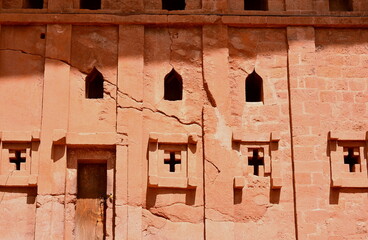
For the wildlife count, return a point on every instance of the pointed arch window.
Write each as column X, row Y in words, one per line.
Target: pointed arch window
column 173, row 86
column 256, row 5
column 94, row 84
column 341, row 5
column 171, row 5
column 90, row 4
column 35, row 4
column 254, row 88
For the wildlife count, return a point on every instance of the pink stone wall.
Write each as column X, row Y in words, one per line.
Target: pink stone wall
column 329, row 97
column 314, row 104
column 180, row 210
column 24, row 81
column 17, row 211
column 93, row 47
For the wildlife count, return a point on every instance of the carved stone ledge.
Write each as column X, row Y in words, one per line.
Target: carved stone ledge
column 61, row 137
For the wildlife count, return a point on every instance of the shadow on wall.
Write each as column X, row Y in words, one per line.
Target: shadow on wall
column 58, row 152
column 98, row 45
column 10, row 193
column 244, row 43
column 274, row 195
column 153, row 193
column 30, row 54
column 335, row 193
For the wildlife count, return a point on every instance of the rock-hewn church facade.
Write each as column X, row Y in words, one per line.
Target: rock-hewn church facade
column 184, row 119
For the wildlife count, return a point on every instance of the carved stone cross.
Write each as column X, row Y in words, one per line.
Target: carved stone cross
column 17, row 159
column 351, row 159
column 255, row 161
column 172, row 161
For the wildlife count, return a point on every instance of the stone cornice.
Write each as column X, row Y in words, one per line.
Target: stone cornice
column 104, row 18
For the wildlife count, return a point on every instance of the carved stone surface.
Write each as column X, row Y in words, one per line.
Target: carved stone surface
column 19, row 158
column 178, row 150
column 209, row 160
column 259, row 157
column 343, row 146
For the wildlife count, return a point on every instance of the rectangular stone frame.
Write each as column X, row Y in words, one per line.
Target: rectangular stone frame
column 20, row 140
column 339, row 177
column 271, row 162
column 187, row 144
column 99, row 146
column 87, row 155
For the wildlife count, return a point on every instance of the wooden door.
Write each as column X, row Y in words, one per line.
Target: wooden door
column 91, row 205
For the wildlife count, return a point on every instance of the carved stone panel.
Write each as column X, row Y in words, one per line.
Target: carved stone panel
column 172, row 160
column 19, row 158
column 258, row 153
column 348, row 158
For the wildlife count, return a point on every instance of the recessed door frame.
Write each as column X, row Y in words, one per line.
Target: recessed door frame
column 88, row 155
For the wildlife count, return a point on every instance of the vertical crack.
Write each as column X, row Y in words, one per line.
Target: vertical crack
column 292, row 147
column 171, row 45
column 203, row 175
column 206, row 88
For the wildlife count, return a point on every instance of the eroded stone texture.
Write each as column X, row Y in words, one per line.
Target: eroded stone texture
column 18, row 206
column 207, row 164
column 12, row 4
column 168, row 48
column 93, row 47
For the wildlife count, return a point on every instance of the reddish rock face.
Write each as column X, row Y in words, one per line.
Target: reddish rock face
column 223, row 120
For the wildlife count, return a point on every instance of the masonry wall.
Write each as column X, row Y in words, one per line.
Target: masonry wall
column 325, row 98
column 313, row 108
column 19, row 204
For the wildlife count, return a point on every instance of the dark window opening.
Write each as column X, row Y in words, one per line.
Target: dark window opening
column 90, row 4
column 260, row 5
column 173, row 5
column 352, row 160
column 17, row 159
column 255, row 161
column 173, row 160
column 341, row 5
column 254, row 88
column 94, row 84
column 36, row 4
column 42, row 35
column 173, row 86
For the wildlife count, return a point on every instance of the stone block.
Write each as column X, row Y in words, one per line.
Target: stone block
column 239, row 182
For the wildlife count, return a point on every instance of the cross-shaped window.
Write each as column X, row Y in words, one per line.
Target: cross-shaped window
column 17, row 157
column 172, row 159
column 351, row 159
column 255, row 161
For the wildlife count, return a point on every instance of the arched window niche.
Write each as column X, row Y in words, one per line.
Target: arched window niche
column 94, row 84
column 172, row 5
column 341, row 5
column 254, row 88
column 90, row 4
column 256, row 5
column 33, row 4
column 173, row 86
